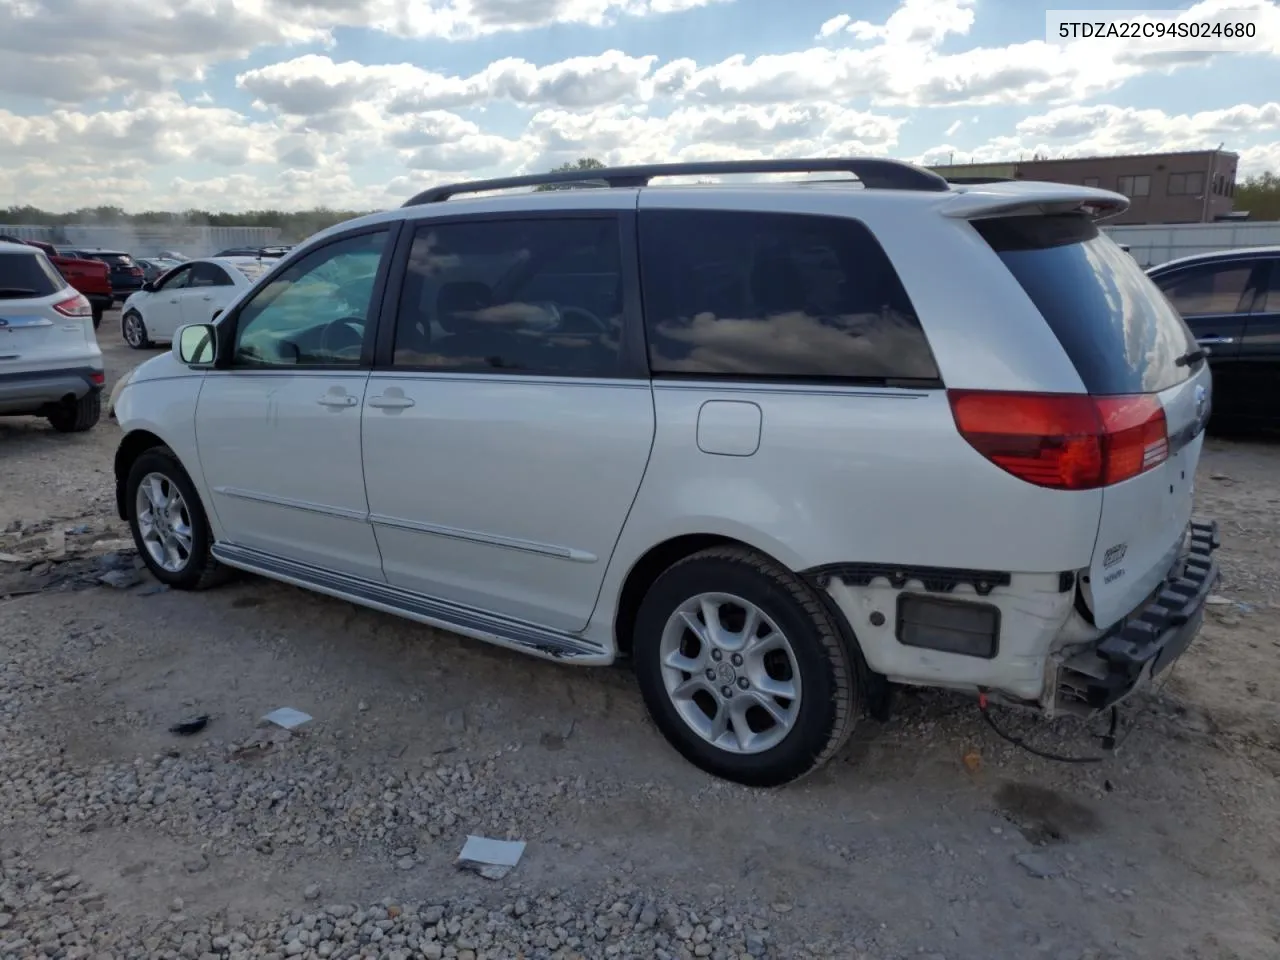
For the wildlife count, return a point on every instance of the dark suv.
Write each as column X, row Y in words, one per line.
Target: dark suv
column 1231, row 301
column 126, row 275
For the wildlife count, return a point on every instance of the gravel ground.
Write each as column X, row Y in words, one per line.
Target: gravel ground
column 928, row 837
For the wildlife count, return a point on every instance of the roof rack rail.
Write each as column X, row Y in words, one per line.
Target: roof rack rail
column 875, row 173
column 960, row 181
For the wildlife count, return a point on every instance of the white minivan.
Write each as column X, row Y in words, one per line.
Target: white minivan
column 781, row 445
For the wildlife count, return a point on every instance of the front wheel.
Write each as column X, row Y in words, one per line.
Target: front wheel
column 168, row 523
column 134, row 330
column 743, row 669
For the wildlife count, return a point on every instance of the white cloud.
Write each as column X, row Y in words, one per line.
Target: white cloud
column 1081, row 131
column 315, row 84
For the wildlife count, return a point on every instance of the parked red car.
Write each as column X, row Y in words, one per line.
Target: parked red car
column 91, row 277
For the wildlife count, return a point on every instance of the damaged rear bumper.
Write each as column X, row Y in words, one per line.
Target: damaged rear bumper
column 1146, row 643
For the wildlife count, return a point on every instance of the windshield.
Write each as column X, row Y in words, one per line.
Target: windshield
column 252, row 269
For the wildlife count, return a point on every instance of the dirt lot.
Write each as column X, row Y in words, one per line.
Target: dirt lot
column 929, row 837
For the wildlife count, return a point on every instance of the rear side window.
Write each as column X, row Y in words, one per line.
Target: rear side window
column 774, row 295
column 115, row 259
column 209, row 275
column 27, row 275
column 1120, row 332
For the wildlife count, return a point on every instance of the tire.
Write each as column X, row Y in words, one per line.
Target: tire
column 97, row 315
column 140, row 340
column 78, row 416
column 198, row 569
column 818, row 720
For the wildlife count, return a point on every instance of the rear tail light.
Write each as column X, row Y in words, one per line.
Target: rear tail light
column 136, row 271
column 1064, row 441
column 97, row 378
column 76, row 306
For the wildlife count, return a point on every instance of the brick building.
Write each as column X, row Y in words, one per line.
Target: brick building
column 1191, row 187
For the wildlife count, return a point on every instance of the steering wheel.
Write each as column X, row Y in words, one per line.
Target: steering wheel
column 342, row 335
column 597, row 325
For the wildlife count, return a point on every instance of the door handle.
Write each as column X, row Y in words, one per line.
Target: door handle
column 386, row 402
column 337, row 400
column 174, row 300
column 206, row 298
column 1212, row 339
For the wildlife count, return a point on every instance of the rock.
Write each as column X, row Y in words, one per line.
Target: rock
column 405, row 863
column 1037, row 865
column 312, row 892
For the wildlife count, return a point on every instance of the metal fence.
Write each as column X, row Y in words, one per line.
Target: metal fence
column 1159, row 243
column 148, row 240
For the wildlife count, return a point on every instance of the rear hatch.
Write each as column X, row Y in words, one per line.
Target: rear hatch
column 1139, row 361
column 35, row 334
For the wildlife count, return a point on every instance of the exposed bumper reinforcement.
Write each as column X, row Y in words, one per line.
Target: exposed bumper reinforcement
column 1146, row 643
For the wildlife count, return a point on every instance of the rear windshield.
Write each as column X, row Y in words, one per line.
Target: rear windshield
column 115, row 259
column 26, row 275
column 1118, row 329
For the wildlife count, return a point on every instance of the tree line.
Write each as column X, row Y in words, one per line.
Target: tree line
column 1258, row 194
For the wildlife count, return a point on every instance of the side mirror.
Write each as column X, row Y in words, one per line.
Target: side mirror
column 196, row 344
column 216, row 315
column 149, row 286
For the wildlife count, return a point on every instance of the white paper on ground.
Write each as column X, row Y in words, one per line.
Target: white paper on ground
column 492, row 859
column 287, row 717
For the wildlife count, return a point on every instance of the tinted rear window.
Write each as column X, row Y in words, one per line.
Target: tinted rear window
column 26, row 275
column 1115, row 325
column 775, row 295
column 115, row 259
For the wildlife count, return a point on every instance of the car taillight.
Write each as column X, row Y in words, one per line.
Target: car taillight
column 97, row 378
column 76, row 306
column 136, row 271
column 1064, row 441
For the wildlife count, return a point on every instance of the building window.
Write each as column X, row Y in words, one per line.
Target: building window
column 1186, row 184
column 1092, row 182
column 1138, row 185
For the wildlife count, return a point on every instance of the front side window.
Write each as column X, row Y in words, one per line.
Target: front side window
column 178, row 279
column 209, row 275
column 772, row 295
column 1217, row 288
column 313, row 313
column 539, row 296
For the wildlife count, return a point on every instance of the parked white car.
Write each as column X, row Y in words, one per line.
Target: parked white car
column 190, row 293
column 50, row 364
column 782, row 445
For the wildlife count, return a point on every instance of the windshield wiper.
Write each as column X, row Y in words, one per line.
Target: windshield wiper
column 1193, row 356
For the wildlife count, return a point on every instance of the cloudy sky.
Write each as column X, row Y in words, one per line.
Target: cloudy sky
column 236, row 104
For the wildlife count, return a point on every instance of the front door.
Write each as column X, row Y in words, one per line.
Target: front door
column 1214, row 300
column 509, row 421
column 162, row 312
column 1260, row 350
column 210, row 289
column 278, row 430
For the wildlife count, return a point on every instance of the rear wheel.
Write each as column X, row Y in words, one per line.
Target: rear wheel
column 77, row 416
column 743, row 669
column 97, row 315
column 168, row 523
column 134, row 330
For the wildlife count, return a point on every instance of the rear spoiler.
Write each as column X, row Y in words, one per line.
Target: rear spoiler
column 1024, row 198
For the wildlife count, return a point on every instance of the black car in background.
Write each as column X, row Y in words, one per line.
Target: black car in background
column 126, row 275
column 1231, row 301
column 265, row 253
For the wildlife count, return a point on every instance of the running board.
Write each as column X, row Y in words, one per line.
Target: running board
column 514, row 634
